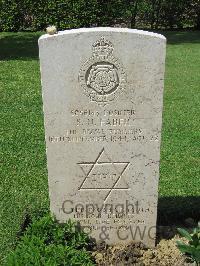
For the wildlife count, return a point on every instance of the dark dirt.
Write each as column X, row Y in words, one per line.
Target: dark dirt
column 165, row 253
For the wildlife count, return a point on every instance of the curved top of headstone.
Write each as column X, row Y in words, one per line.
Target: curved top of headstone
column 102, row 92
column 104, row 29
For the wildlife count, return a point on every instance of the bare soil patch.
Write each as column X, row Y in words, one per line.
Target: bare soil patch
column 165, row 253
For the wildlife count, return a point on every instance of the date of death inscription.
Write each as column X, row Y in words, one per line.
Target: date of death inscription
column 107, row 126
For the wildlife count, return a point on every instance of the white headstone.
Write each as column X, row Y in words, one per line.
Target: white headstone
column 102, row 94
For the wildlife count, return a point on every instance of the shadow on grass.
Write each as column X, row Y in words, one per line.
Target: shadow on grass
column 174, row 210
column 181, row 37
column 19, row 46
column 24, row 45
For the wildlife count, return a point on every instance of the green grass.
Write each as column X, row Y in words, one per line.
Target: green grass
column 180, row 151
column 24, row 189
column 47, row 243
column 181, row 136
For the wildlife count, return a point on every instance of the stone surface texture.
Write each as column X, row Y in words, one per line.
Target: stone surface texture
column 102, row 98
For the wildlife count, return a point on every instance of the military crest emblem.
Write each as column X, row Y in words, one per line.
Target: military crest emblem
column 102, row 76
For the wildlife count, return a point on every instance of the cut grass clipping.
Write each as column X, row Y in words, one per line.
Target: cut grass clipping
column 46, row 242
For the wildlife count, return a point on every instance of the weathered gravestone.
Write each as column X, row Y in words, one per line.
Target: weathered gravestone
column 102, row 96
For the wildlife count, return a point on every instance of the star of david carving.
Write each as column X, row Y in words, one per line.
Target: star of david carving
column 103, row 174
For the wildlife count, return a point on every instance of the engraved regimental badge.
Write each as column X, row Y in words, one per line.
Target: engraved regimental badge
column 102, row 76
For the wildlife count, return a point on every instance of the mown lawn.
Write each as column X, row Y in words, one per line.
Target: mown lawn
column 24, row 190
